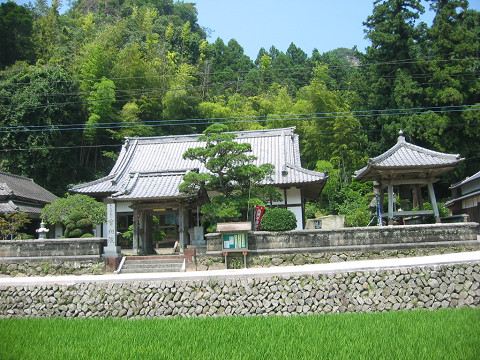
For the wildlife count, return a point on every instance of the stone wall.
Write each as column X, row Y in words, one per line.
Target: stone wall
column 261, row 259
column 53, row 266
column 426, row 287
column 375, row 236
column 52, row 257
column 49, row 247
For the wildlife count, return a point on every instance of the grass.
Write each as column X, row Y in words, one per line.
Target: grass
column 441, row 334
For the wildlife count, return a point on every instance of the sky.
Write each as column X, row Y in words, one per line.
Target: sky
column 309, row 24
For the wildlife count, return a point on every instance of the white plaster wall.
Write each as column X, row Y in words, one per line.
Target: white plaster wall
column 124, row 207
column 297, row 210
column 294, row 196
column 58, row 231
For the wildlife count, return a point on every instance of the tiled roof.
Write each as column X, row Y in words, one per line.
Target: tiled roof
column 13, row 206
column 14, row 186
column 404, row 156
column 153, row 167
column 466, row 181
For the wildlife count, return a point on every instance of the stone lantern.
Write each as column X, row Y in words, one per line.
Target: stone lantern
column 42, row 231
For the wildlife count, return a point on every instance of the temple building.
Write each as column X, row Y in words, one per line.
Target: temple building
column 404, row 170
column 145, row 178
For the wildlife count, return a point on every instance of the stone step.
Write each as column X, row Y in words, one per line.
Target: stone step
column 149, row 270
column 152, row 265
column 153, row 262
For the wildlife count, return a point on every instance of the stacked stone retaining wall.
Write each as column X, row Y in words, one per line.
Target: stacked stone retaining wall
column 421, row 287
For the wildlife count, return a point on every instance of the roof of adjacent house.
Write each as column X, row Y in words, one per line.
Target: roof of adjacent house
column 18, row 193
column 153, row 167
column 405, row 159
column 466, row 180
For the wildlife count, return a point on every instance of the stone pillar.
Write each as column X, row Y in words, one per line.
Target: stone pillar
column 135, row 245
column 378, row 192
column 433, row 200
column 111, row 250
column 390, row 204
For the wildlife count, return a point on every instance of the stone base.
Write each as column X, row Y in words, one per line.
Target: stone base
column 112, row 264
column 112, row 252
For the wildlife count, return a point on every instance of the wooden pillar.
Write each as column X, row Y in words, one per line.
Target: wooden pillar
column 148, row 231
column 141, row 232
column 182, row 226
column 390, row 204
column 420, row 198
column 433, row 201
column 415, row 190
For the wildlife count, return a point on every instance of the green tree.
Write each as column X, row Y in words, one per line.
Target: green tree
column 231, row 174
column 60, row 210
column 12, row 223
column 40, row 111
column 15, row 34
column 333, row 134
column 391, row 66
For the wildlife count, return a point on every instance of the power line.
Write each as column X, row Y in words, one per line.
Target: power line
column 294, row 68
column 258, row 118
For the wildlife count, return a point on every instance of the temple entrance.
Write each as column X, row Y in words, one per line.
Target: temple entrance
column 165, row 228
column 159, row 225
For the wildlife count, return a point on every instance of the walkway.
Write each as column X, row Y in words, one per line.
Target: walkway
column 465, row 257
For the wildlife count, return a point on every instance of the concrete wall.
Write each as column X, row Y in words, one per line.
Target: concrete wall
column 419, row 287
column 356, row 238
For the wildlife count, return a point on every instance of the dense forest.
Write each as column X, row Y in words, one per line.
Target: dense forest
column 73, row 85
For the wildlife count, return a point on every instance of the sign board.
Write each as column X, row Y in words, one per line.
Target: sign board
column 234, row 235
column 235, row 241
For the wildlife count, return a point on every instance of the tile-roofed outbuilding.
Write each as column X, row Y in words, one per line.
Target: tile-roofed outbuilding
column 18, row 193
column 153, row 167
column 406, row 160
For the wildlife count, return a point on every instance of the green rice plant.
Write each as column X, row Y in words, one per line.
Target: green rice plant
column 441, row 334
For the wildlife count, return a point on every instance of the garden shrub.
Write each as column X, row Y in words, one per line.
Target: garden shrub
column 278, row 219
column 78, row 225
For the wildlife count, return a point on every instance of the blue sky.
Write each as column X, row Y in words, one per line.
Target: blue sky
column 309, row 24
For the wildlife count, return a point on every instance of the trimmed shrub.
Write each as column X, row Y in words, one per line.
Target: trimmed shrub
column 278, row 219
column 78, row 225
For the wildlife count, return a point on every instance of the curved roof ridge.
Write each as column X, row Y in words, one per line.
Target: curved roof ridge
column 417, row 148
column 306, row 171
column 90, row 183
column 194, row 137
